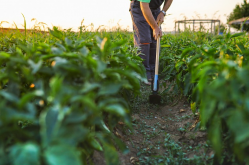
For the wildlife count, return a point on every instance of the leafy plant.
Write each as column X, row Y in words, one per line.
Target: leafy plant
column 223, row 94
column 61, row 96
column 210, row 74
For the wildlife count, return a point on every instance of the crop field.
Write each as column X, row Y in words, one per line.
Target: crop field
column 80, row 98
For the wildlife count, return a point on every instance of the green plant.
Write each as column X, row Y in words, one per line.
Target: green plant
column 61, row 96
column 211, row 74
column 223, row 93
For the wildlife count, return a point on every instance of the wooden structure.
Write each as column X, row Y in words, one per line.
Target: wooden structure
column 240, row 21
column 200, row 22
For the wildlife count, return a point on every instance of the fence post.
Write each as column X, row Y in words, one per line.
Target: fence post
column 178, row 27
column 219, row 28
column 211, row 26
column 193, row 25
column 214, row 27
column 175, row 27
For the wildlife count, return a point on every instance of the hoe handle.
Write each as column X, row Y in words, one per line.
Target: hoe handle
column 157, row 63
column 157, row 55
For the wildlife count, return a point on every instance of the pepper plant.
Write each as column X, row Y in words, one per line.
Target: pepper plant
column 61, row 96
column 212, row 74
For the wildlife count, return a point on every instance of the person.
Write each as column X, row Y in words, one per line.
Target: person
column 146, row 17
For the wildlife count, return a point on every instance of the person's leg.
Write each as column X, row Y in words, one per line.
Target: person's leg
column 152, row 58
column 144, row 53
column 142, row 37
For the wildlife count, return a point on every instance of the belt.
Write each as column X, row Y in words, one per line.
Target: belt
column 134, row 6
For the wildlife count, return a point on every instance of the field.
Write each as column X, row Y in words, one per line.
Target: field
column 80, row 98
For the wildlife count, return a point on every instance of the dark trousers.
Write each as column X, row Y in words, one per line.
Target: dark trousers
column 143, row 38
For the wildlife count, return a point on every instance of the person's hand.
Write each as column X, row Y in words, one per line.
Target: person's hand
column 160, row 18
column 157, row 32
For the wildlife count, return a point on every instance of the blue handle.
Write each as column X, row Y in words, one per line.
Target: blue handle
column 155, row 83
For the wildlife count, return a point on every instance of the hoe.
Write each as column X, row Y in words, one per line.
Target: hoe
column 154, row 98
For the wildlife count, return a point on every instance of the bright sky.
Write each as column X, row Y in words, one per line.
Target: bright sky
column 69, row 14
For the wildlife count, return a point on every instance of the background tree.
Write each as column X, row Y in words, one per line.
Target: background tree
column 239, row 11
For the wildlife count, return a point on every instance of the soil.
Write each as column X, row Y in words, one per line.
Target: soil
column 156, row 129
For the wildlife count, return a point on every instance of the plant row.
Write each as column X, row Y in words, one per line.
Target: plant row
column 212, row 72
column 61, row 95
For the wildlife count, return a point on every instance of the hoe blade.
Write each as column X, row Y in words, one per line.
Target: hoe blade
column 155, row 99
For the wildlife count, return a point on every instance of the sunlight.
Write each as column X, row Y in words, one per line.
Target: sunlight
column 100, row 14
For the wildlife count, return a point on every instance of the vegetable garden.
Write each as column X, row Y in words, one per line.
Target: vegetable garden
column 64, row 95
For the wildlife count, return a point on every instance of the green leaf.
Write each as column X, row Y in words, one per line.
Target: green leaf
column 3, row 76
column 61, row 154
column 237, row 34
column 178, row 65
column 241, row 47
column 109, row 89
column 105, row 127
column 211, row 51
column 186, row 51
column 193, row 107
column 165, row 46
column 87, row 101
column 68, row 41
column 116, row 109
column 55, row 84
column 77, row 133
column 9, row 96
column 35, row 67
column 62, row 47
column 29, row 96
column 111, row 155
column 101, row 66
column 28, row 154
column 56, row 33
column 84, row 51
column 89, row 87
column 4, row 159
column 219, row 37
column 206, row 111
column 95, row 144
column 50, row 122
column 214, row 134
column 239, row 124
column 243, row 136
column 4, row 55
column 56, row 51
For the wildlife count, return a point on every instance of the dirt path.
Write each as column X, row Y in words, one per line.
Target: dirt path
column 162, row 134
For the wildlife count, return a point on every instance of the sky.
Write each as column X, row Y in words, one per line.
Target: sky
column 109, row 13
